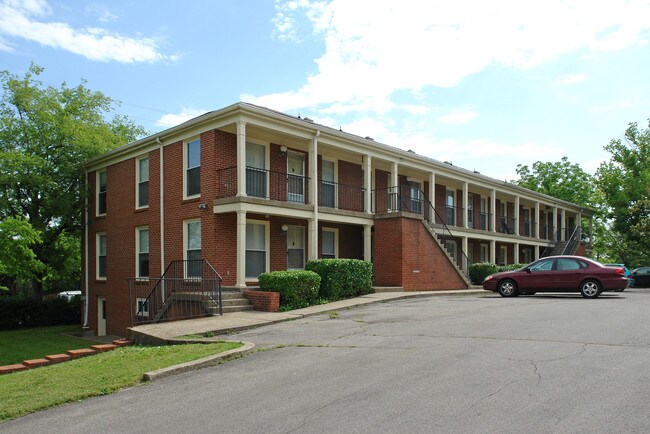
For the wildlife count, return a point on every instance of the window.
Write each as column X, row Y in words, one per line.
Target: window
column 101, row 255
column 328, row 187
column 564, row 264
column 193, row 168
column 484, row 252
column 193, row 248
column 256, row 257
column 527, row 222
column 296, row 248
column 417, row 197
column 142, row 250
column 543, row 265
column 484, row 225
column 101, row 193
column 142, row 180
column 141, row 307
column 503, row 255
column 470, row 210
column 329, row 244
column 451, row 208
column 296, row 177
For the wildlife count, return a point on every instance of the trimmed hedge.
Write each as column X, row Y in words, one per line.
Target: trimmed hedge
column 478, row 272
column 342, row 278
column 22, row 312
column 297, row 288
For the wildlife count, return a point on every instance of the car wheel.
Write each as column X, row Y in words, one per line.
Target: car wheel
column 508, row 288
column 590, row 289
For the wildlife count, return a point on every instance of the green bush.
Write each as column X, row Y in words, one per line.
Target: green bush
column 20, row 311
column 297, row 288
column 342, row 278
column 478, row 272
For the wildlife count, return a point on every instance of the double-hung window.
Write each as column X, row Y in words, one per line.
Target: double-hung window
column 256, row 254
column 142, row 180
column 101, row 193
column 193, row 168
column 193, row 248
column 328, row 241
column 101, row 255
column 142, row 250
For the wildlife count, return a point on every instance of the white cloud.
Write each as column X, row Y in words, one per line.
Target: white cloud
column 570, row 79
column 20, row 19
column 374, row 48
column 458, row 117
column 173, row 119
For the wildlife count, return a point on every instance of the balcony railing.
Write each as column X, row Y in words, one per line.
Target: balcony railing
column 265, row 184
column 341, row 196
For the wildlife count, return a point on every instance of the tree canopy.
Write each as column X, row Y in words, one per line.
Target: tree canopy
column 46, row 134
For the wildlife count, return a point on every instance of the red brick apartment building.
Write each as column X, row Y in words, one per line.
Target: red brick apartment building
column 244, row 189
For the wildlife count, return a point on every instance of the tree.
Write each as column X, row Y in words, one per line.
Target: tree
column 46, row 134
column 625, row 184
column 562, row 179
column 17, row 259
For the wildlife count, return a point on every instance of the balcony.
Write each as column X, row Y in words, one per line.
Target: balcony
column 264, row 184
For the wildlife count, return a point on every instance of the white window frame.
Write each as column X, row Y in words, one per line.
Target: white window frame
column 303, row 231
column 145, row 312
column 186, row 224
column 267, row 244
column 98, row 236
column 453, row 207
column 186, row 144
column 503, row 253
column 335, row 162
column 335, row 231
column 485, row 252
column 138, row 181
column 97, row 192
column 138, row 230
column 470, row 210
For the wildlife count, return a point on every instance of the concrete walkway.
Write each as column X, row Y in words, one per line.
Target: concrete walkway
column 169, row 332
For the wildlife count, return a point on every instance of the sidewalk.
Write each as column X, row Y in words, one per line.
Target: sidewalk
column 169, row 332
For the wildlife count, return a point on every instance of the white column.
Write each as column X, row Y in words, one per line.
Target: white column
column 537, row 220
column 516, row 223
column 432, row 197
column 241, row 159
column 464, row 264
column 516, row 255
column 579, row 224
column 563, row 225
column 493, row 252
column 493, row 210
column 465, row 209
column 312, row 224
column 367, row 160
column 394, row 179
column 367, row 243
column 394, row 190
column 241, row 249
column 554, row 226
column 536, row 256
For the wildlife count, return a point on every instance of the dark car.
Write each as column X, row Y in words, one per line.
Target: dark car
column 558, row 274
column 641, row 277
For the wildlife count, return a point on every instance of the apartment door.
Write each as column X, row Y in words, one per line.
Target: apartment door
column 101, row 316
column 296, row 178
column 328, row 187
column 417, row 197
column 470, row 210
column 255, row 170
column 296, row 248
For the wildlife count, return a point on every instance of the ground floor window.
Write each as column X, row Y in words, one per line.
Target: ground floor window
column 484, row 253
column 193, row 248
column 296, row 248
column 256, row 249
column 141, row 307
column 329, row 243
column 503, row 255
column 142, row 249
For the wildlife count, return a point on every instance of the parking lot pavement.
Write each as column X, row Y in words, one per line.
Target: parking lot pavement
column 546, row 363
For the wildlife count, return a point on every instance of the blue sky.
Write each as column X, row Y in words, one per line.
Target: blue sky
column 485, row 85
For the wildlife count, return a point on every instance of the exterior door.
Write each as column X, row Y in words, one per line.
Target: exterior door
column 416, row 196
column 101, row 316
column 328, row 187
column 296, row 178
column 255, row 170
column 470, row 210
column 295, row 248
column 540, row 274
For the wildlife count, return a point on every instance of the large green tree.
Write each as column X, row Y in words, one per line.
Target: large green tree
column 561, row 179
column 625, row 184
column 46, row 133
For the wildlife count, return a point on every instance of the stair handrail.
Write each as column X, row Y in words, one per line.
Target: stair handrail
column 571, row 239
column 553, row 241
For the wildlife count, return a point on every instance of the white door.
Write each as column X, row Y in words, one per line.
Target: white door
column 295, row 248
column 296, row 178
column 256, row 170
column 101, row 316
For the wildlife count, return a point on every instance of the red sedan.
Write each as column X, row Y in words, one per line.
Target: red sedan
column 558, row 274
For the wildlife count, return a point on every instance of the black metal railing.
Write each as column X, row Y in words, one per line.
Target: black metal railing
column 265, row 184
column 187, row 289
column 342, row 196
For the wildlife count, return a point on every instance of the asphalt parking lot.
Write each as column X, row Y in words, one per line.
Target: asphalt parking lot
column 546, row 363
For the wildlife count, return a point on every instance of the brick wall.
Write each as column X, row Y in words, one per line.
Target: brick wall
column 407, row 255
column 266, row 301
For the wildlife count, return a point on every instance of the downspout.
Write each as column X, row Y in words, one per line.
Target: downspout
column 162, row 214
column 85, row 324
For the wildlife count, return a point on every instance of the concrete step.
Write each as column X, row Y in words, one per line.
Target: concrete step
column 230, row 309
column 235, row 302
column 377, row 289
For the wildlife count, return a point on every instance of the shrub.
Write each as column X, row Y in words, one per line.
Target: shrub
column 20, row 311
column 478, row 272
column 297, row 288
column 342, row 278
column 511, row 267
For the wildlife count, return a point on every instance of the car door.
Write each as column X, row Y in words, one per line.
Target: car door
column 537, row 275
column 567, row 274
column 641, row 277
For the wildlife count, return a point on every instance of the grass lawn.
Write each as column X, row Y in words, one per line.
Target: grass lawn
column 29, row 391
column 38, row 342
